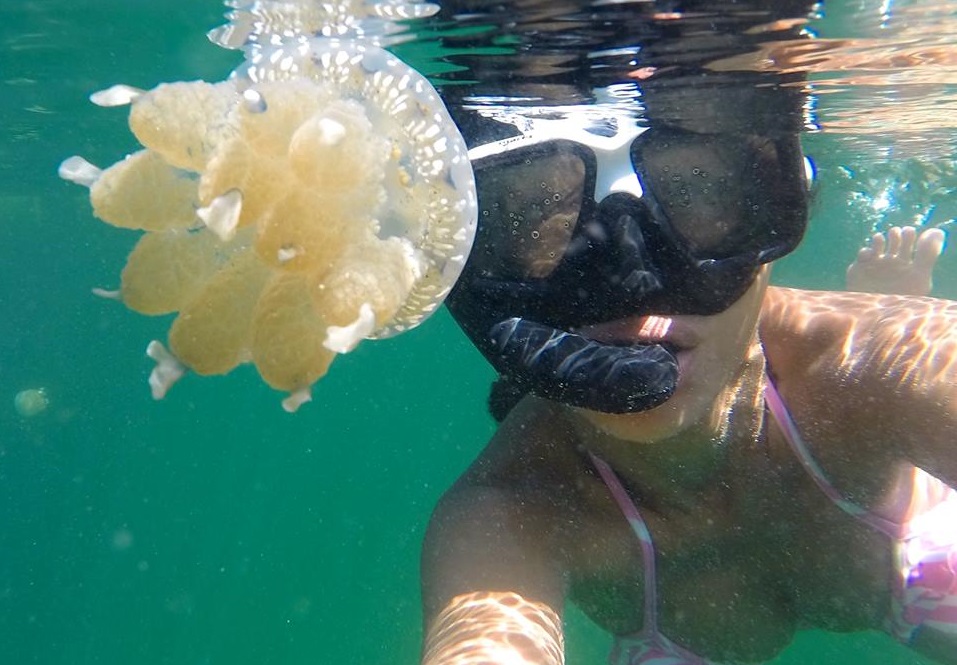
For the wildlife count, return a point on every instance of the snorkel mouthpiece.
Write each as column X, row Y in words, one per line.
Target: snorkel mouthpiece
column 582, row 372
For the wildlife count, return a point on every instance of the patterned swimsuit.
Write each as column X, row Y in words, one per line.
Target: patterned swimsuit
column 924, row 584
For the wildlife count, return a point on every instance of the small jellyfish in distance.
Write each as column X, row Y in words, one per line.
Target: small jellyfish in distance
column 31, row 402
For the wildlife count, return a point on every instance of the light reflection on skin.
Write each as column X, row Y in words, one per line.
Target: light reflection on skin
column 891, row 355
column 503, row 628
column 925, row 324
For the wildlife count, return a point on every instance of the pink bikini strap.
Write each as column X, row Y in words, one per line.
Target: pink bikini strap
column 786, row 423
column 640, row 529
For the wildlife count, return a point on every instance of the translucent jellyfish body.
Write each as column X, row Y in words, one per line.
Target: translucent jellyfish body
column 31, row 402
column 320, row 196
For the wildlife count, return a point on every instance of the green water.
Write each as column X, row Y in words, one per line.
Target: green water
column 212, row 527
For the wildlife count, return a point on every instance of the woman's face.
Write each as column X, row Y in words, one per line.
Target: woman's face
column 712, row 353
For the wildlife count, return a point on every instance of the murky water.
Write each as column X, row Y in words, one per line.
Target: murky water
column 213, row 527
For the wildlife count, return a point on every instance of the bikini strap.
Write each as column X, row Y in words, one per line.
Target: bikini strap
column 787, row 426
column 630, row 511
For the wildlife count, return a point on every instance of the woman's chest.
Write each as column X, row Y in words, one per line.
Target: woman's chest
column 715, row 591
column 735, row 584
column 837, row 569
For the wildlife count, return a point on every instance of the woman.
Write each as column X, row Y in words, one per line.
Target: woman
column 759, row 472
column 702, row 463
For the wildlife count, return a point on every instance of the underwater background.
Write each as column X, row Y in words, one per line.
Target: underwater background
column 213, row 527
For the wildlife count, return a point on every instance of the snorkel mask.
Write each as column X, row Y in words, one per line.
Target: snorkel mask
column 581, row 224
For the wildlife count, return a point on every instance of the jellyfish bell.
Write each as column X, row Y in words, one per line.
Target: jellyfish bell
column 319, row 196
column 31, row 402
column 264, row 21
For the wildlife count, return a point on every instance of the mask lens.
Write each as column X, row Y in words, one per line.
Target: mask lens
column 530, row 202
column 716, row 193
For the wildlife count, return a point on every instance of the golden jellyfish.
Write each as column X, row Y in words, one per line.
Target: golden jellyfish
column 320, row 196
column 31, row 402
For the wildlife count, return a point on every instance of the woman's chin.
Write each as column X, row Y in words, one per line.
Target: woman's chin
column 684, row 409
column 647, row 427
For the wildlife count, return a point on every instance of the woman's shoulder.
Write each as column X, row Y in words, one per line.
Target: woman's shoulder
column 870, row 379
column 859, row 333
column 799, row 311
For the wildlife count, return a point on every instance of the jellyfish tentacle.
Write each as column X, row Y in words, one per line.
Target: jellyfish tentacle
column 185, row 122
column 211, row 335
column 222, row 214
column 144, row 192
column 343, row 339
column 165, row 271
column 295, row 399
column 287, row 333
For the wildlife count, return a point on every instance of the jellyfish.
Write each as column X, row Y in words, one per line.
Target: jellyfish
column 31, row 402
column 319, row 196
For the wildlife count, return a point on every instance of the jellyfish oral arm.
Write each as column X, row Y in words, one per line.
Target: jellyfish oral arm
column 221, row 216
column 107, row 294
column 296, row 399
column 168, row 369
column 77, row 170
column 342, row 339
column 117, row 95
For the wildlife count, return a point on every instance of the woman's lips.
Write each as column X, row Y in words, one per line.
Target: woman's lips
column 667, row 330
column 655, row 330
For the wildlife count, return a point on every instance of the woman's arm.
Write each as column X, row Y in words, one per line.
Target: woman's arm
column 877, row 372
column 491, row 592
column 498, row 552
